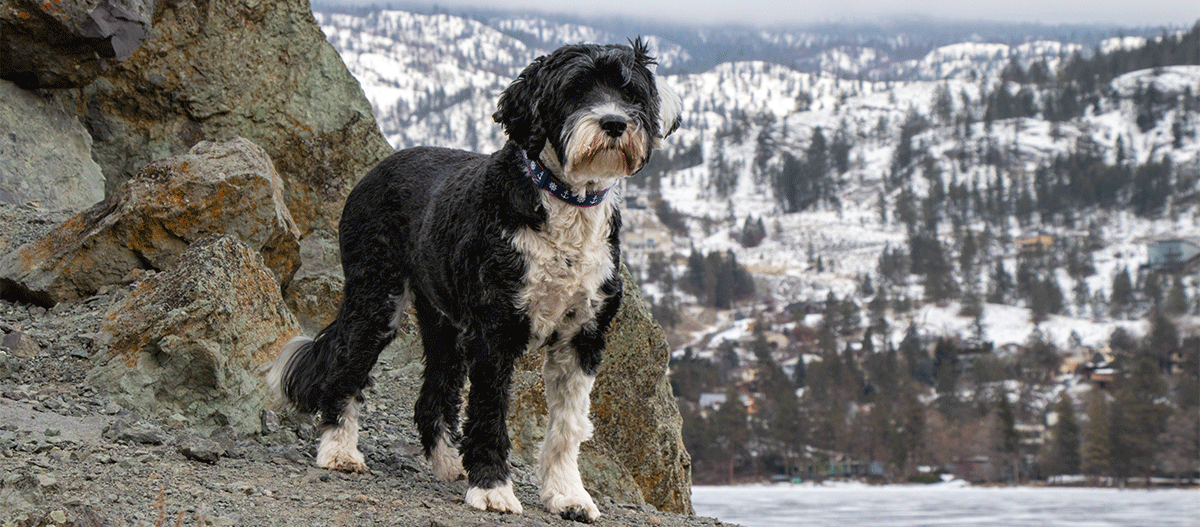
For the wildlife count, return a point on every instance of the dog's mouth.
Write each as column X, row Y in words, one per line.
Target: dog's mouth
column 592, row 150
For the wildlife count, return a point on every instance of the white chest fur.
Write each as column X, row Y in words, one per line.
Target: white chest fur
column 566, row 263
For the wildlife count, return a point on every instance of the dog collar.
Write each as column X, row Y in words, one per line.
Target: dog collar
column 544, row 179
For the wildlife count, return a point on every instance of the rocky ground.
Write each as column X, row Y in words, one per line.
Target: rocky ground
column 71, row 456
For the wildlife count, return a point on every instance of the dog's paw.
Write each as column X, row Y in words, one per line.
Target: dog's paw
column 447, row 463
column 576, row 506
column 450, row 472
column 499, row 499
column 336, row 456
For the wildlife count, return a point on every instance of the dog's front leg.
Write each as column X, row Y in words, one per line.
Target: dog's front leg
column 485, row 443
column 568, row 389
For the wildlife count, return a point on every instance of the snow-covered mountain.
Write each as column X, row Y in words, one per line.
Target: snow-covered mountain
column 434, row 79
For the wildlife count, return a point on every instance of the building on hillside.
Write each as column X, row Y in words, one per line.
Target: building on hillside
column 1031, row 433
column 711, row 402
column 650, row 239
column 1100, row 370
column 1172, row 254
column 1034, row 244
column 1011, row 349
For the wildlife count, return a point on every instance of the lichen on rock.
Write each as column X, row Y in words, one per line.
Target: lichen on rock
column 194, row 340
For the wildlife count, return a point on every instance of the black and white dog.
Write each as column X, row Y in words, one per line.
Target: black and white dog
column 500, row 255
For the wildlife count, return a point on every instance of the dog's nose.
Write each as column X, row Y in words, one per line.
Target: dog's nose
column 613, row 125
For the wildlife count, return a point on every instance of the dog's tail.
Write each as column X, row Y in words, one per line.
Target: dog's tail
column 298, row 374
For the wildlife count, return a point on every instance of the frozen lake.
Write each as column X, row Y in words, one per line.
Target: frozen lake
column 853, row 505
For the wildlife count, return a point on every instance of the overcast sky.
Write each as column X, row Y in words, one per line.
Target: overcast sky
column 1120, row 12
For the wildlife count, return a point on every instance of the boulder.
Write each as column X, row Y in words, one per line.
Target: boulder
column 68, row 43
column 227, row 188
column 45, row 154
column 636, row 452
column 315, row 292
column 21, row 345
column 195, row 340
column 220, row 69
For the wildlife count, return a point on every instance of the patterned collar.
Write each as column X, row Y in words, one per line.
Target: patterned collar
column 544, row 179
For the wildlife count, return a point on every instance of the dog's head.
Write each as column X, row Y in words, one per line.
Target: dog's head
column 597, row 107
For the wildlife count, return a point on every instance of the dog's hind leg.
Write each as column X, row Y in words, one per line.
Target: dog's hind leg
column 568, row 389
column 364, row 326
column 438, row 406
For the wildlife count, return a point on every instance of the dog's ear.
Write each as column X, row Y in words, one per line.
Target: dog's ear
column 670, row 106
column 517, row 110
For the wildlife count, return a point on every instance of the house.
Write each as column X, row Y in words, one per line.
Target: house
column 1172, row 254
column 1012, row 349
column 649, row 238
column 1099, row 370
column 1031, row 433
column 636, row 201
column 1102, row 377
column 1034, row 244
column 711, row 402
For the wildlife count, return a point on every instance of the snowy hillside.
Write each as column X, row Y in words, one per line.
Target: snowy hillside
column 434, row 79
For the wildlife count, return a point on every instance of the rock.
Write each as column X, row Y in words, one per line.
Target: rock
column 315, row 292
column 636, row 452
column 199, row 448
column 216, row 188
column 270, row 422
column 21, row 345
column 314, row 300
column 7, row 366
column 45, row 154
column 68, row 43
column 130, row 430
column 634, row 410
column 196, row 339
column 220, row 69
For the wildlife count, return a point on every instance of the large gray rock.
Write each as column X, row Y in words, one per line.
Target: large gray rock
column 220, row 69
column 227, row 188
column 68, row 43
column 194, row 340
column 45, row 154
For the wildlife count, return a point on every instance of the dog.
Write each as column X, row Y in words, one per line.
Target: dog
column 499, row 255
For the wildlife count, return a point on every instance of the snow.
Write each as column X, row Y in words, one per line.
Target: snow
column 1009, row 325
column 951, row 503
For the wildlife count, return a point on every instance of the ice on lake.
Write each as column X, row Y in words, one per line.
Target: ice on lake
column 951, row 504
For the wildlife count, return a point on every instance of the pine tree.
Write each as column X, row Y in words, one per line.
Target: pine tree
column 1096, row 455
column 878, row 311
column 1177, row 300
column 1121, row 298
column 1002, row 285
column 731, row 435
column 1008, row 441
column 945, row 367
column 1138, row 419
column 1064, row 453
column 1040, row 360
column 781, row 411
column 1162, row 341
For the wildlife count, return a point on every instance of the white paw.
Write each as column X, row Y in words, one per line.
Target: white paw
column 499, row 499
column 446, row 461
column 339, row 446
column 334, row 456
column 574, row 505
